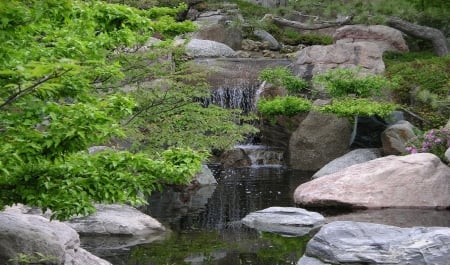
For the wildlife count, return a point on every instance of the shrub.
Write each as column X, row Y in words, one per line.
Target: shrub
column 350, row 107
column 343, row 82
column 435, row 141
column 281, row 76
column 288, row 106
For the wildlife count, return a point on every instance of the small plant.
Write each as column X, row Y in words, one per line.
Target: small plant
column 281, row 76
column 350, row 107
column 288, row 106
column 343, row 82
column 435, row 141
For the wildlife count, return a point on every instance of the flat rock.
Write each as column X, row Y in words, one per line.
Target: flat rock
column 116, row 220
column 284, row 220
column 368, row 243
column 411, row 181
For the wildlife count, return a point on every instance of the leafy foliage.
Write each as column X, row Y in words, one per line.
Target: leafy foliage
column 342, row 82
column 288, row 106
column 170, row 111
column 57, row 60
column 350, row 107
column 281, row 76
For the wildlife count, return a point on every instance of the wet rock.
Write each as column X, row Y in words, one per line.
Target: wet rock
column 387, row 38
column 319, row 139
column 354, row 157
column 412, row 181
column 368, row 243
column 395, row 137
column 397, row 217
column 30, row 234
column 235, row 158
column 284, row 220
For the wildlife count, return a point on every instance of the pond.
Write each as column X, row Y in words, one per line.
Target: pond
column 206, row 226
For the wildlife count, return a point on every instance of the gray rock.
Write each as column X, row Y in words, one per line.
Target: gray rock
column 319, row 139
column 269, row 3
column 205, row 176
column 368, row 243
column 207, row 48
column 30, row 234
column 231, row 36
column 395, row 137
column 284, row 220
column 267, row 37
column 387, row 38
column 447, row 154
column 412, row 181
column 354, row 157
column 117, row 219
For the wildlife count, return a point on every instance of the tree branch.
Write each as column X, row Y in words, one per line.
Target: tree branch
column 437, row 38
column 299, row 25
column 30, row 89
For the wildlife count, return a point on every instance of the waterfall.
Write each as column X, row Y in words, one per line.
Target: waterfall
column 242, row 97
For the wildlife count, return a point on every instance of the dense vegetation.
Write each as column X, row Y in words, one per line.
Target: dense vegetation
column 63, row 66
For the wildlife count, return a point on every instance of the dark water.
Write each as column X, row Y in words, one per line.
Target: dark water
column 205, row 222
column 206, row 229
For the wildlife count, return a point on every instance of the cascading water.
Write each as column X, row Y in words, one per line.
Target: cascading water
column 244, row 96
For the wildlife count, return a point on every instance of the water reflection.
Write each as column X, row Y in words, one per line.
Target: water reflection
column 206, row 222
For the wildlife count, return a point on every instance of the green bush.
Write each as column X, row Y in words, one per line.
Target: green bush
column 342, row 82
column 292, row 37
column 350, row 107
column 423, row 83
column 288, row 106
column 281, row 76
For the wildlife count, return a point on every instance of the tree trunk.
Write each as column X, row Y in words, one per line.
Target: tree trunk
column 434, row 35
column 295, row 24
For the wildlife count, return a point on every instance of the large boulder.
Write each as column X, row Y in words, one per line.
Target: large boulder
column 368, row 243
column 318, row 59
column 284, row 220
column 319, row 139
column 207, row 48
column 353, row 157
column 387, row 38
column 396, row 136
column 412, row 181
column 231, row 36
column 34, row 235
column 119, row 220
